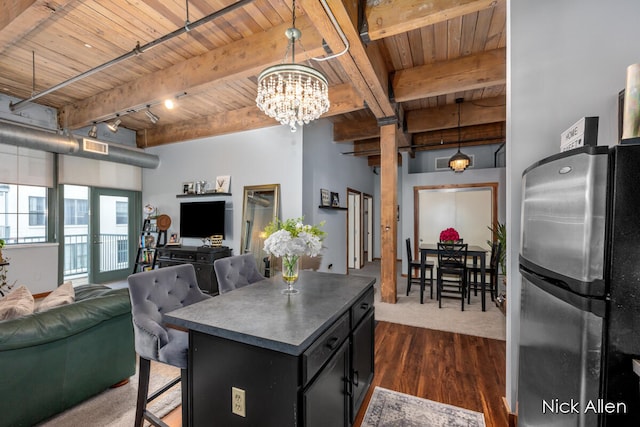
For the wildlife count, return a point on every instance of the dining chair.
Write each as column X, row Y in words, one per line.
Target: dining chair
column 236, row 271
column 492, row 271
column 412, row 266
column 452, row 272
column 154, row 293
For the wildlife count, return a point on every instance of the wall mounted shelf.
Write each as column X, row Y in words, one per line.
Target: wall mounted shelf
column 202, row 195
column 336, row 208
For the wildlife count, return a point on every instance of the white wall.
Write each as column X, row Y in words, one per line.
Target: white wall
column 566, row 60
column 265, row 156
column 325, row 167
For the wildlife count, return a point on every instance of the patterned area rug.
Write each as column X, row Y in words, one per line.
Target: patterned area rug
column 389, row 408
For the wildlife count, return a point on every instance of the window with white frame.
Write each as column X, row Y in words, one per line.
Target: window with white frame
column 23, row 213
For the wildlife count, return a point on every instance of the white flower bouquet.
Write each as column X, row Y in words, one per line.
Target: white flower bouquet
column 290, row 240
column 292, row 237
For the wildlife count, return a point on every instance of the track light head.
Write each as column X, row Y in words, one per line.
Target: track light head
column 93, row 132
column 113, row 127
column 154, row 119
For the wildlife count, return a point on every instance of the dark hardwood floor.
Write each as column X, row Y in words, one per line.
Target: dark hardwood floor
column 460, row 370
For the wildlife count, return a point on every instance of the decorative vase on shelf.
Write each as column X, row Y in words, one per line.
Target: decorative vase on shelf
column 290, row 272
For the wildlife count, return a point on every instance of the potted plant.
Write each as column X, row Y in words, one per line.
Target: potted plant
column 500, row 234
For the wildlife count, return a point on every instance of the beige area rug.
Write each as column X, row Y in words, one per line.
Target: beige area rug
column 116, row 407
column 408, row 310
column 388, row 408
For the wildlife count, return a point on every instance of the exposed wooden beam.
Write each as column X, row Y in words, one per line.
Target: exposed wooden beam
column 363, row 73
column 19, row 17
column 457, row 75
column 356, row 130
column 489, row 133
column 489, row 110
column 343, row 99
column 486, row 134
column 376, row 160
column 390, row 17
column 243, row 58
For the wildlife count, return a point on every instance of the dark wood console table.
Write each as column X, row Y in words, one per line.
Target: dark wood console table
column 300, row 360
column 202, row 258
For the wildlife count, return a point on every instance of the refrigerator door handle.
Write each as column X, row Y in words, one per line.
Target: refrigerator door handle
column 592, row 305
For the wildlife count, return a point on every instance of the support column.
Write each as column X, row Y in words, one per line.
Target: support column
column 388, row 212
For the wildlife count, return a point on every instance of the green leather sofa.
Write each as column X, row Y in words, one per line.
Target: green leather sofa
column 51, row 361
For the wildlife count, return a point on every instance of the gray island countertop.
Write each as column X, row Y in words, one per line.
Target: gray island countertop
column 259, row 314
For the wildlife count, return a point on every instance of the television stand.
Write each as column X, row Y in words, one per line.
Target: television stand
column 201, row 257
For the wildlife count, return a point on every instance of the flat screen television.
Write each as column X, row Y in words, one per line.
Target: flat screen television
column 202, row 219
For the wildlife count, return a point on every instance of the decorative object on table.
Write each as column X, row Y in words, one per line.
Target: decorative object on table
column 290, row 240
column 187, row 188
column 325, row 197
column 216, row 240
column 293, row 94
column 389, row 407
column 335, row 199
column 449, row 235
column 222, row 183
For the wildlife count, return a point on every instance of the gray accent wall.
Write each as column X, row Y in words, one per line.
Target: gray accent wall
column 566, row 60
column 325, row 167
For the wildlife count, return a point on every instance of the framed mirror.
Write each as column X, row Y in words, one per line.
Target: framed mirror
column 260, row 206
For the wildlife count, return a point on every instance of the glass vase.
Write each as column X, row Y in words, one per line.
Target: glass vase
column 290, row 273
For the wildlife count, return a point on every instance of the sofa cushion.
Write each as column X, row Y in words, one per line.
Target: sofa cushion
column 63, row 294
column 17, row 304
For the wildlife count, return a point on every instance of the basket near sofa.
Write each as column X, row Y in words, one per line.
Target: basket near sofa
column 53, row 360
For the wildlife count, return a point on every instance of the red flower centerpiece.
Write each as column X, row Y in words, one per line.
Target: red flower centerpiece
column 449, row 235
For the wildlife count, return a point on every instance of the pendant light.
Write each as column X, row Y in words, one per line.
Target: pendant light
column 459, row 161
column 293, row 94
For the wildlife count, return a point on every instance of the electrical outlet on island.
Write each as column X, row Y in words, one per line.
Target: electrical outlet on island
column 237, row 402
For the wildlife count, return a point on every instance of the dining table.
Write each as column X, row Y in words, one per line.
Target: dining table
column 478, row 253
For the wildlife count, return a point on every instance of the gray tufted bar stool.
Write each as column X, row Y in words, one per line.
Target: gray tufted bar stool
column 236, row 271
column 152, row 294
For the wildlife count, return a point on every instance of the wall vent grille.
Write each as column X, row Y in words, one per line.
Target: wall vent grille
column 95, row 146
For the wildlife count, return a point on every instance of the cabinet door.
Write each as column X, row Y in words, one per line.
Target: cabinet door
column 325, row 400
column 362, row 353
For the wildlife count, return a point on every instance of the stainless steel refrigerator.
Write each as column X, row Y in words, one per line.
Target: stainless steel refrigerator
column 580, row 306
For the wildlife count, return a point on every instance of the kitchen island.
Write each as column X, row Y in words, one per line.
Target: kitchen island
column 261, row 358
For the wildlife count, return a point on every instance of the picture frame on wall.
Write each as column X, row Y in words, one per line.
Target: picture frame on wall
column 187, row 188
column 325, row 197
column 335, row 200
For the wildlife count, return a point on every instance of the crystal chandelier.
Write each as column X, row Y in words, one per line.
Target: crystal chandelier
column 459, row 161
column 293, row 94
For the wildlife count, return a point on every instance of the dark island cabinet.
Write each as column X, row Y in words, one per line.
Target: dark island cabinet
column 323, row 386
column 201, row 258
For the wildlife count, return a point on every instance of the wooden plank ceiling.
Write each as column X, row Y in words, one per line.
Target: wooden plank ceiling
column 408, row 60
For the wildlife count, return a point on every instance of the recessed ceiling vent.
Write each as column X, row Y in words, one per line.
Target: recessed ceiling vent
column 95, row 146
